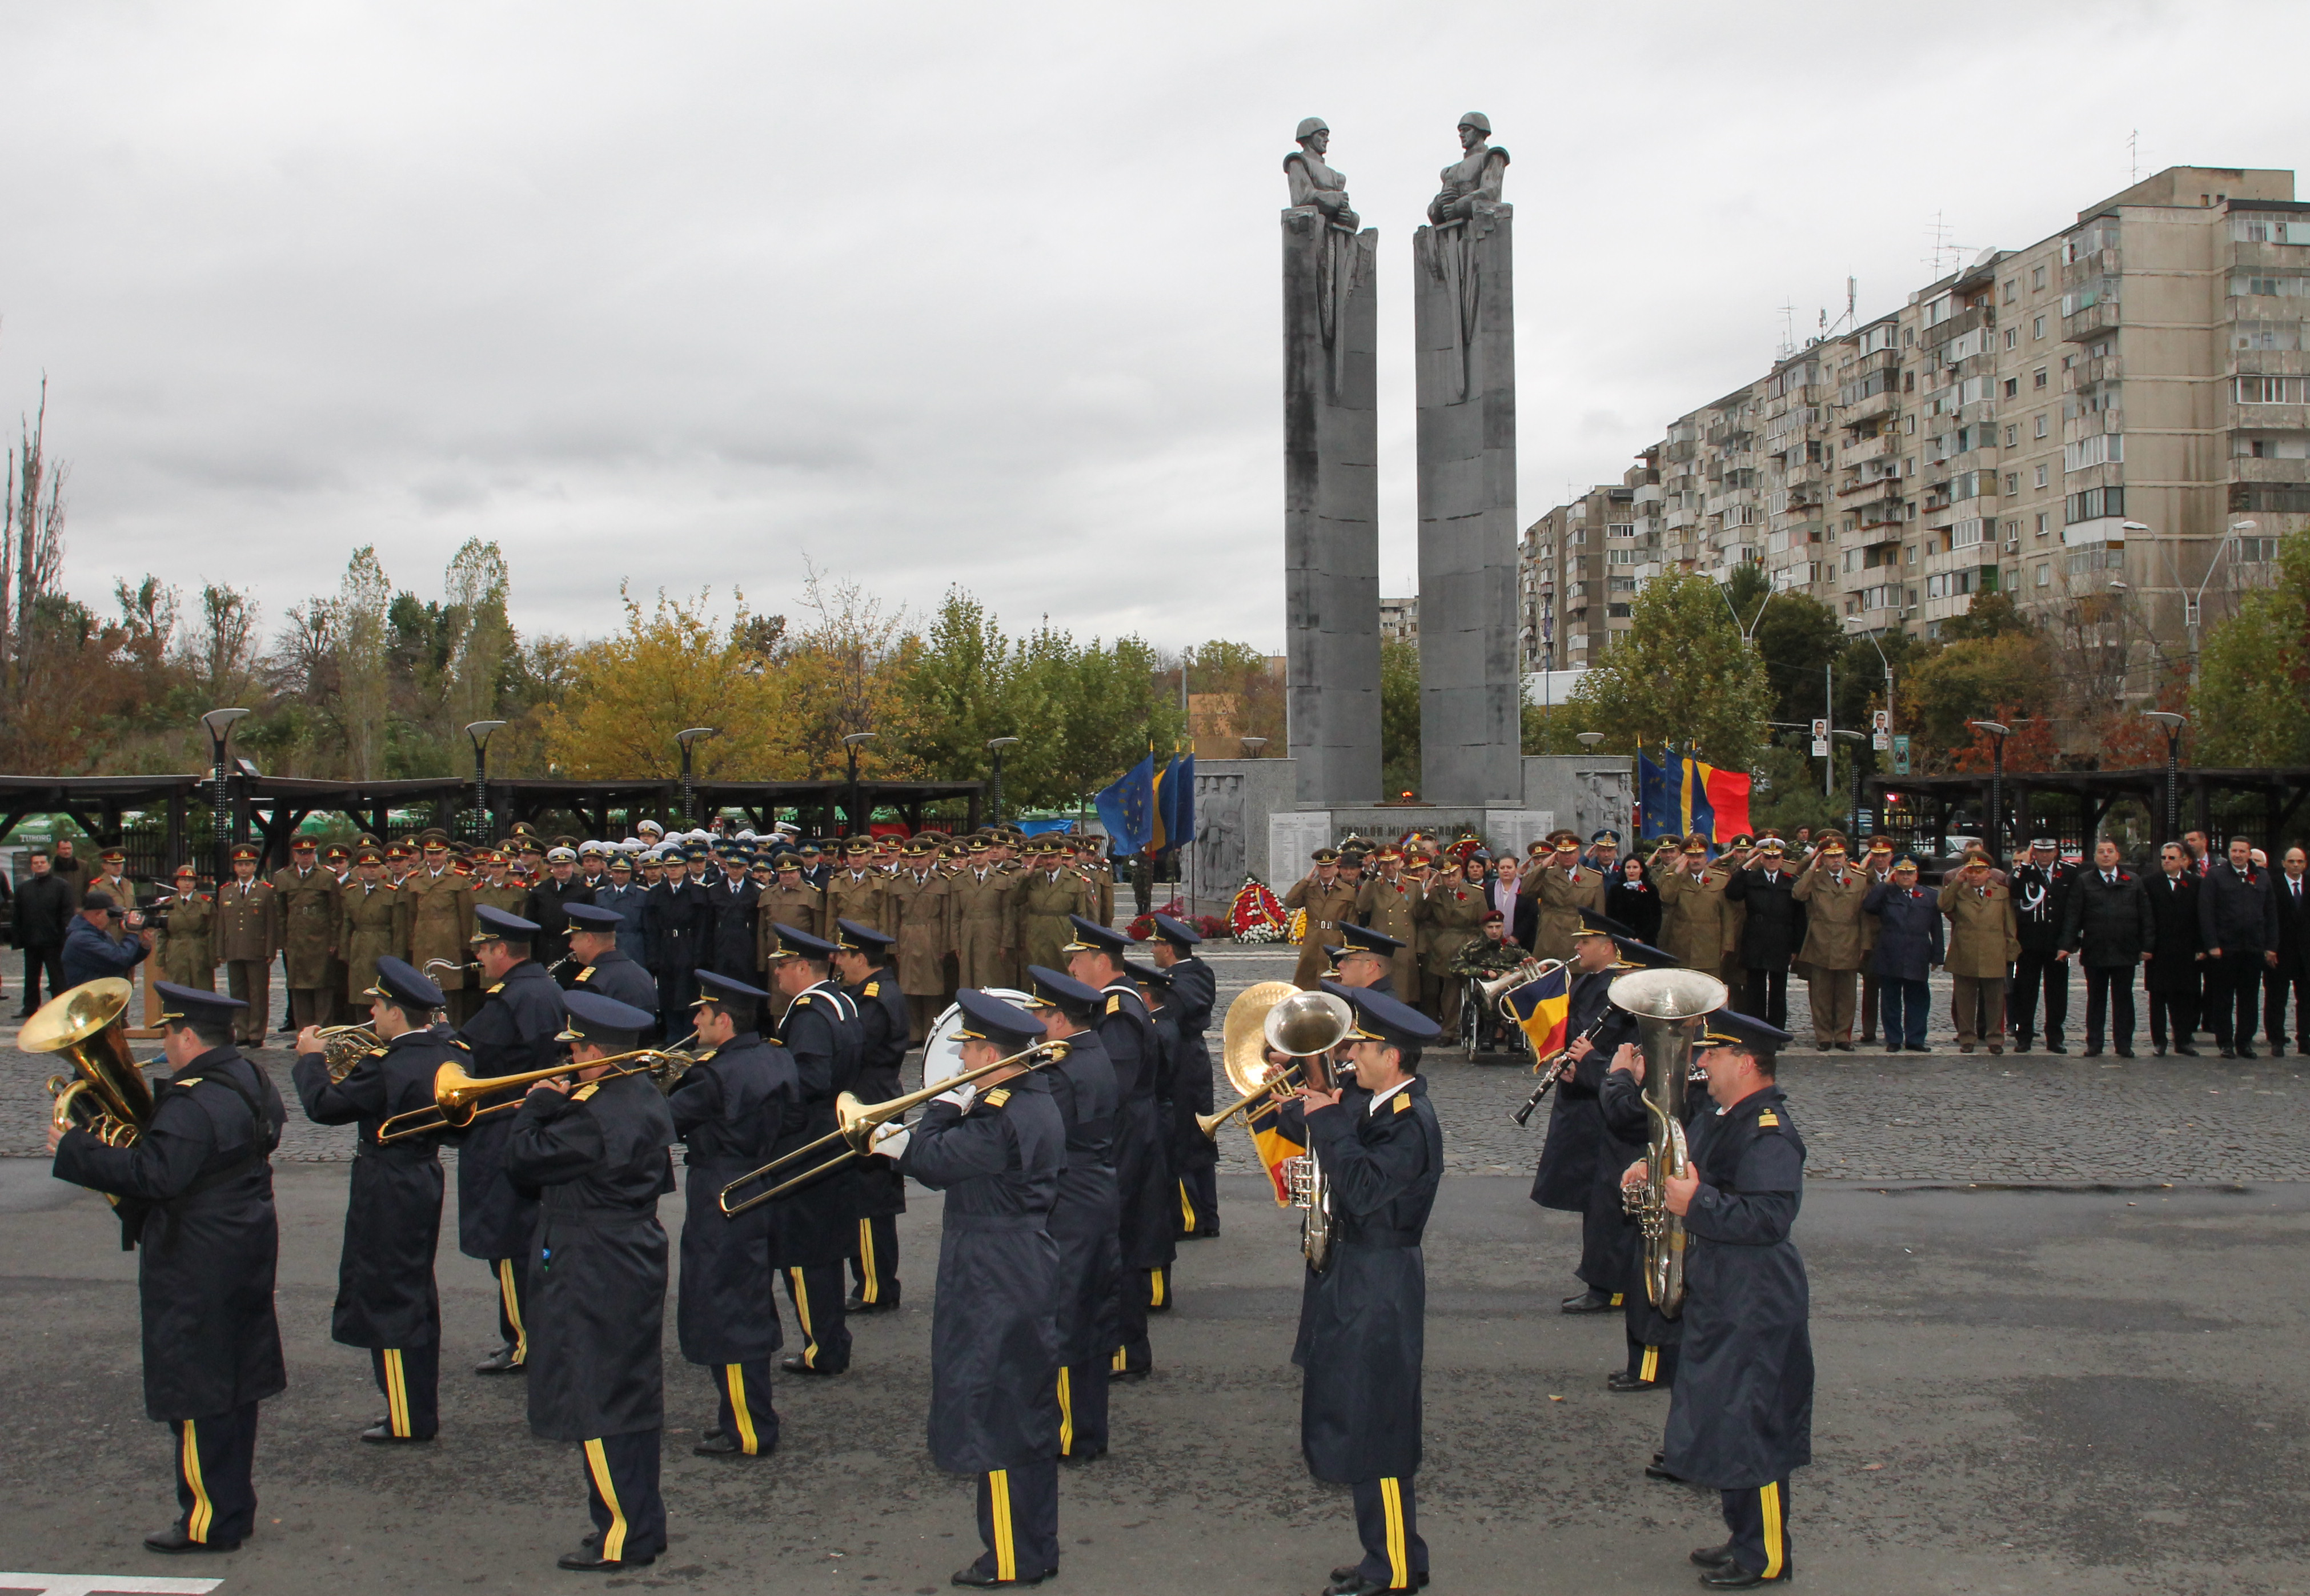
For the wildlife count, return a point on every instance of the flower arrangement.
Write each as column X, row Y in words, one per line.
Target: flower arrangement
column 1257, row 914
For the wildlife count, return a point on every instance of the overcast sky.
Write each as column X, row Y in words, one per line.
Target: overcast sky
column 931, row 293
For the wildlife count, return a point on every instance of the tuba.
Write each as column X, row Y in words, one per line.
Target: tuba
column 89, row 1027
column 1669, row 1006
column 1277, row 1017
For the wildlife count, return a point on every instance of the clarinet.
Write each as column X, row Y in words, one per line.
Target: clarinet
column 1523, row 1115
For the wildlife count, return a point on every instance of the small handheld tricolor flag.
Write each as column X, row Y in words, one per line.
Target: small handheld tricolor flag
column 1541, row 1008
column 1273, row 1144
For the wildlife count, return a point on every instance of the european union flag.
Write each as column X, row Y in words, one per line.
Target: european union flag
column 1174, row 803
column 1127, row 808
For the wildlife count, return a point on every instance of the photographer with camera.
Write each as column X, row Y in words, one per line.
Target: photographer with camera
column 89, row 952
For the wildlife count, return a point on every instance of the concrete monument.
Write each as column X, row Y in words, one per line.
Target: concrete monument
column 1331, row 488
column 1463, row 322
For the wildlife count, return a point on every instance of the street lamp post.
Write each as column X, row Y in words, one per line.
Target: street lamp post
column 994, row 745
column 219, row 723
column 850, row 747
column 1252, row 745
column 478, row 731
column 1996, row 784
column 2173, row 724
column 689, row 786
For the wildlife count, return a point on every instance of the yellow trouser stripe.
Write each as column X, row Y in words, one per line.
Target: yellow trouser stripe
column 735, row 1373
column 1616, row 1299
column 998, row 1497
column 512, row 1296
column 802, row 1312
column 871, row 1287
column 396, row 1392
column 614, row 1539
column 1186, row 1210
column 203, row 1512
column 1154, row 1288
column 1399, row 1565
column 1066, row 1414
column 1769, row 1498
column 1117, row 1365
column 1649, row 1369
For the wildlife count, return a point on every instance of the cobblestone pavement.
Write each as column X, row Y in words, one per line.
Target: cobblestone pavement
column 1866, row 1115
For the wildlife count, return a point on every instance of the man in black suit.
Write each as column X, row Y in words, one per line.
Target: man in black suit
column 2107, row 929
column 2291, row 975
column 2176, row 973
column 2239, row 919
column 1771, row 931
column 2041, row 886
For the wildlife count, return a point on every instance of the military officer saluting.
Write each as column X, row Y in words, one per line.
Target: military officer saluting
column 815, row 1227
column 1741, row 1417
column 515, row 1030
column 600, row 966
column 993, row 1342
column 386, row 1296
column 1362, row 1319
column 861, row 961
column 187, row 946
column 727, row 1108
column 596, row 1147
column 195, row 1191
column 441, row 904
column 1194, row 1157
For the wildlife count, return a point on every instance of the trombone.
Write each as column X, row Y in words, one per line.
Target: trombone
column 855, row 1123
column 457, row 1095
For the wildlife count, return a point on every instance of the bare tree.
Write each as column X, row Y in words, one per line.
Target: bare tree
column 31, row 550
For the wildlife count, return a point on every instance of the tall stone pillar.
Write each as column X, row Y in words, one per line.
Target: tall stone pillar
column 1464, row 321
column 1331, row 484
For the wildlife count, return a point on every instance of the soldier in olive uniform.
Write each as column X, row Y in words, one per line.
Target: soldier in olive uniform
column 248, row 935
column 982, row 922
column 1451, row 916
column 1696, row 919
column 1832, row 890
column 311, row 907
column 187, row 949
column 1328, row 895
column 1387, row 904
column 375, row 925
column 858, row 891
column 441, row 904
column 1984, row 940
column 788, row 901
column 1048, row 894
column 917, row 910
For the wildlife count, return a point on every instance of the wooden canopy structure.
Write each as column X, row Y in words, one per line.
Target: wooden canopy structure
column 2263, row 802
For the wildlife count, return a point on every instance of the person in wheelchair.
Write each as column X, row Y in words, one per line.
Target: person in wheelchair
column 1485, row 956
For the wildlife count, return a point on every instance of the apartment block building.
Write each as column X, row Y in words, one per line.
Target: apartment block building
column 2105, row 424
column 1399, row 619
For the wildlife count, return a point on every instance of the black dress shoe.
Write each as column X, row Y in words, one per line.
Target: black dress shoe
column 2022, row 1046
column 381, row 1432
column 1845, row 1047
column 1128, row 1376
column 1083, row 1457
column 859, row 1304
column 1733, row 1577
column 1655, row 1471
column 973, row 1579
column 2091, row 1051
column 2246, row 1050
column 2158, row 1049
column 720, row 1443
column 2184, row 1052
column 1587, row 1302
column 589, row 1562
column 1353, row 1583
column 1918, row 1046
column 2128, row 1052
column 1621, row 1380
column 174, row 1539
column 1712, row 1557
column 2057, row 1047
column 499, row 1362
column 795, row 1365
column 2229, row 1051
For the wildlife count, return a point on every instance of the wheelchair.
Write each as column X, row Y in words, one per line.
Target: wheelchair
column 1486, row 1036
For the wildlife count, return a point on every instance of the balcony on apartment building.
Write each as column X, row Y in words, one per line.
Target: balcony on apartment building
column 2089, row 321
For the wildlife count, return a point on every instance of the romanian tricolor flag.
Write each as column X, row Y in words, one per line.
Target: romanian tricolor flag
column 1273, row 1144
column 1540, row 1009
column 1681, row 795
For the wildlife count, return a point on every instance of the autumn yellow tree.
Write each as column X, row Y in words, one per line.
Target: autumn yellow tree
column 670, row 667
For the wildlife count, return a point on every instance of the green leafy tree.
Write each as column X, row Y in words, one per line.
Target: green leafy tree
column 1682, row 674
column 1798, row 637
column 1972, row 680
column 2252, row 703
column 1399, row 717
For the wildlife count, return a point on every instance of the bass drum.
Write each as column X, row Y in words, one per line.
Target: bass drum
column 942, row 1051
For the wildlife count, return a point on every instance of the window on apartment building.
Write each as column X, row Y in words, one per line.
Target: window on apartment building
column 2011, row 434
column 2293, row 446
column 2037, row 377
column 1908, row 335
column 2045, row 522
column 2093, row 504
column 2037, row 278
column 2041, row 472
column 1909, row 554
column 2010, row 284
column 2011, row 334
column 2271, row 286
column 2012, row 388
column 1911, row 428
column 2037, row 328
column 2013, row 531
column 2039, row 430
column 2045, row 573
column 2268, row 335
column 2268, row 390
column 2012, row 483
column 2256, row 229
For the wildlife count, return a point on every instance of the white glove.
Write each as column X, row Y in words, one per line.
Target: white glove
column 961, row 1096
column 892, row 1139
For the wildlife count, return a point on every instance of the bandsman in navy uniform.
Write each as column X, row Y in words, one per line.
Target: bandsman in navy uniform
column 386, row 1296
column 1362, row 1320
column 862, row 962
column 815, row 1227
column 1364, row 959
column 1194, row 1157
column 1741, row 1417
column 993, row 1338
column 1086, row 1216
column 596, row 1147
column 597, row 965
column 1568, row 1176
column 194, row 1194
column 727, row 1108
column 1154, row 986
column 1142, row 1170
column 514, row 1031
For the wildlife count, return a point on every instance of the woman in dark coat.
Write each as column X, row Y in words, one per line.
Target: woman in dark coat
column 1634, row 901
column 1909, row 947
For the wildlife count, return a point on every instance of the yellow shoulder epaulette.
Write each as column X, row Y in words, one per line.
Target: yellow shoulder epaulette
column 997, row 1097
column 495, row 990
column 1769, row 1118
column 873, row 989
column 377, row 1053
column 460, row 1042
column 585, row 1092
column 193, row 1081
column 584, row 973
column 1115, row 1002
column 709, row 1054
column 1404, row 1102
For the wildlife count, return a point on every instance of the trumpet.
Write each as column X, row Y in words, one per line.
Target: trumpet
column 345, row 1046
column 1244, row 1054
column 856, row 1122
column 457, row 1096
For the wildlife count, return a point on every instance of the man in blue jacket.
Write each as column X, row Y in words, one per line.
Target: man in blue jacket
column 90, row 950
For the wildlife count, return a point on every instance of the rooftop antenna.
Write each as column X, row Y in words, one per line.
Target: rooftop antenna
column 1788, row 330
column 2133, row 154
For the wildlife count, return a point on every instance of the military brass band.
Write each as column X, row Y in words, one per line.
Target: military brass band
column 1066, row 1115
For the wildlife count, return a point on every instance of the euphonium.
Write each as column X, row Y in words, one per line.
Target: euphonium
column 1306, row 1025
column 104, row 1095
column 857, row 1122
column 457, row 1096
column 1669, row 1006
